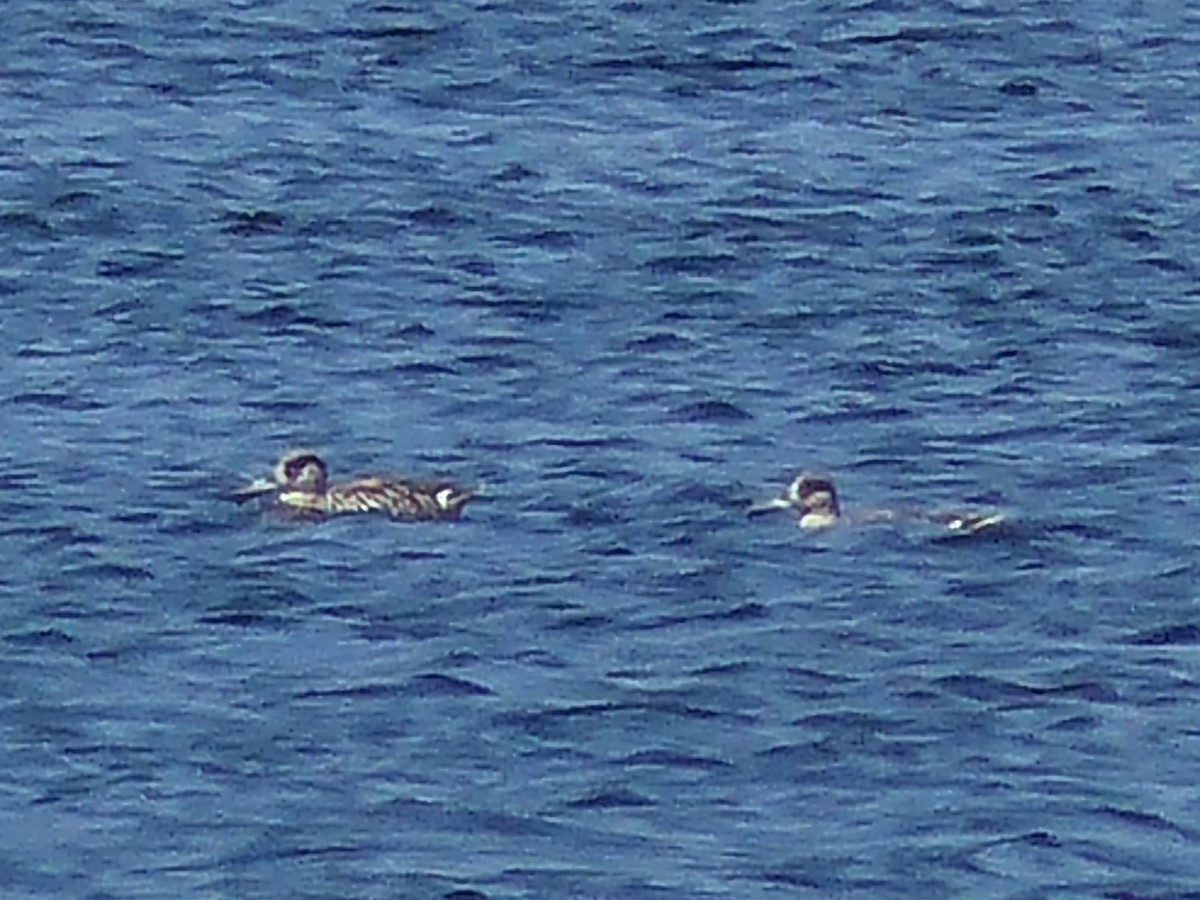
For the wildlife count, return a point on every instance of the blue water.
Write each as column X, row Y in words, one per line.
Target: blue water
column 628, row 267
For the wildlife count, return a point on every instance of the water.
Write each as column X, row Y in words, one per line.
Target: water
column 629, row 267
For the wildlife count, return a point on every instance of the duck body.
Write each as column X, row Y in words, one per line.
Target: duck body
column 300, row 485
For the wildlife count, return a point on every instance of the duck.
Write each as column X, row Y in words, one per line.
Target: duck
column 300, row 485
column 814, row 498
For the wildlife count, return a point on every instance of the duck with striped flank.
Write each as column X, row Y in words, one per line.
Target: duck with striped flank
column 300, row 485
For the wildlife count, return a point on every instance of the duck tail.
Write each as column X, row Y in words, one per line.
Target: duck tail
column 451, row 499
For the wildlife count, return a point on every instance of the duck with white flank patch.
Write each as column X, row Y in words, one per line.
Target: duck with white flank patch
column 814, row 498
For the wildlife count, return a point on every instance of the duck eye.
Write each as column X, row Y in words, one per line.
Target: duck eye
column 297, row 467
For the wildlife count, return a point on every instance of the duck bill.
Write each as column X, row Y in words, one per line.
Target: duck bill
column 255, row 489
column 774, row 504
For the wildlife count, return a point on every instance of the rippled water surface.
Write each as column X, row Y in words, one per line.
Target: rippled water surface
column 628, row 267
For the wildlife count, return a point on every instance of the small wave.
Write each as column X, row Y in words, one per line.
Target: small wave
column 671, row 759
column 279, row 316
column 252, row 222
column 692, row 264
column 435, row 684
column 985, row 689
column 614, row 799
column 53, row 400
column 1185, row 634
column 368, row 691
column 711, row 411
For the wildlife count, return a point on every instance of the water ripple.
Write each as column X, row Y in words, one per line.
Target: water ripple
column 626, row 267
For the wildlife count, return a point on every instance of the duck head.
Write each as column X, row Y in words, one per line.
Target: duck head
column 299, row 471
column 812, row 496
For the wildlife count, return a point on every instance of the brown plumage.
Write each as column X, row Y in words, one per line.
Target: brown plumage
column 300, row 483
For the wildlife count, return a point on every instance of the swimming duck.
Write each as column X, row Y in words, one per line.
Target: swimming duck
column 815, row 499
column 300, row 483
